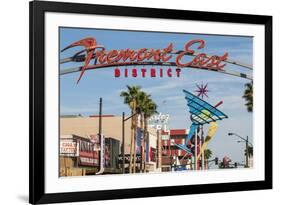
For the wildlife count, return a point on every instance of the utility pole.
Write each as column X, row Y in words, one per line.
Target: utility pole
column 135, row 137
column 100, row 118
column 123, row 142
column 159, row 151
column 171, row 157
column 247, row 152
column 203, row 153
column 195, row 155
column 132, row 139
column 100, row 132
column 247, row 146
column 101, row 140
column 142, row 143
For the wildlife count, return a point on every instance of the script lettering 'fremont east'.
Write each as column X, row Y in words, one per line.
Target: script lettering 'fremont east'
column 200, row 60
column 145, row 56
column 142, row 54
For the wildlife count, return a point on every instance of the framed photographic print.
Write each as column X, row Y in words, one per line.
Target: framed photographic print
column 138, row 102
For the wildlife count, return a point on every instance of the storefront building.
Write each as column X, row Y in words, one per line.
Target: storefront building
column 80, row 150
column 78, row 156
column 172, row 155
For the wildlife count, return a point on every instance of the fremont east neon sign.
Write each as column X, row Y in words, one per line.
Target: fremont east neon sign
column 144, row 56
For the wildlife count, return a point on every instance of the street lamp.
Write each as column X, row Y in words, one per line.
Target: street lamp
column 247, row 146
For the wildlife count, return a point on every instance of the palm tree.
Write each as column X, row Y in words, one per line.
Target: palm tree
column 141, row 101
column 137, row 99
column 207, row 155
column 248, row 96
column 148, row 108
column 250, row 152
column 130, row 97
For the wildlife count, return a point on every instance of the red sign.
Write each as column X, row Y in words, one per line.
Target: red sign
column 89, row 159
column 88, row 156
column 145, row 56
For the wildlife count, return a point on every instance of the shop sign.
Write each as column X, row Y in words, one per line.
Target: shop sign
column 127, row 158
column 159, row 121
column 68, row 147
column 88, row 161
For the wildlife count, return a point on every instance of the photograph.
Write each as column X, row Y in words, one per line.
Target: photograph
column 133, row 102
column 144, row 102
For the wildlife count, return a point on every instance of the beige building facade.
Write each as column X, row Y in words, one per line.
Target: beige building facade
column 87, row 127
column 111, row 127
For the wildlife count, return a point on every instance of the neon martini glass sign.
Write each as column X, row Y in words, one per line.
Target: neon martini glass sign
column 144, row 56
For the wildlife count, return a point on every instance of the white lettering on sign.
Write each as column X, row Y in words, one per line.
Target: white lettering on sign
column 160, row 118
column 165, row 137
column 159, row 122
column 88, row 160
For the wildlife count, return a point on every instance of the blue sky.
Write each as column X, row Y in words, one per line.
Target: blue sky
column 167, row 92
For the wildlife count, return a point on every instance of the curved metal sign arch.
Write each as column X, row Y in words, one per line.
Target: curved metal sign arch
column 154, row 57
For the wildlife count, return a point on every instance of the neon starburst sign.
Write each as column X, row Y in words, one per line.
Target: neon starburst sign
column 202, row 90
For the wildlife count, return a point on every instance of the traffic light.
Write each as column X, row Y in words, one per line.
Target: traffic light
column 216, row 161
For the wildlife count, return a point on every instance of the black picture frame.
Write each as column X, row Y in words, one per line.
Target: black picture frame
column 37, row 10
